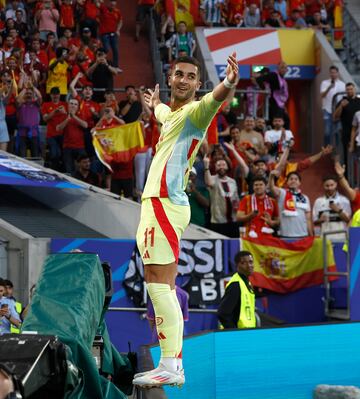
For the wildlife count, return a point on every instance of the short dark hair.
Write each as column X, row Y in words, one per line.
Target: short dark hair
column 349, row 84
column 55, row 90
column 334, row 67
column 278, row 117
column 101, row 50
column 59, row 51
column 329, row 177
column 259, row 178
column 234, row 127
column 241, row 254
column 129, row 87
column 2, row 282
column 293, row 173
column 186, row 59
column 81, row 157
column 9, row 283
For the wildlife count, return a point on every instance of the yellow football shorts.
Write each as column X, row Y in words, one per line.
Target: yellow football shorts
column 162, row 224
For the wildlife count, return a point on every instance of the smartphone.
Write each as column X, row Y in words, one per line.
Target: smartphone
column 331, row 202
column 256, row 211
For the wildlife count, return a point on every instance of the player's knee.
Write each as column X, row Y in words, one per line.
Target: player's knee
column 163, row 274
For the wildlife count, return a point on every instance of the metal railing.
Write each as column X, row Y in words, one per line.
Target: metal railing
column 144, row 310
column 329, row 311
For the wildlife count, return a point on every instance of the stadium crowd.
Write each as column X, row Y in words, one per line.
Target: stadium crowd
column 58, row 63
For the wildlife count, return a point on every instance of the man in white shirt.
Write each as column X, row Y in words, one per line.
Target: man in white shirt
column 328, row 89
column 278, row 138
column 332, row 211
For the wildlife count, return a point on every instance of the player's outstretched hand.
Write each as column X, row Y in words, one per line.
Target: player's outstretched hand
column 152, row 97
column 232, row 69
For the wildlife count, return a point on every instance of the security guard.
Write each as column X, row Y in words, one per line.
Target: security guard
column 18, row 306
column 237, row 306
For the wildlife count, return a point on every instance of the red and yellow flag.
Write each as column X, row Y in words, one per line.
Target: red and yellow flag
column 283, row 267
column 184, row 10
column 118, row 144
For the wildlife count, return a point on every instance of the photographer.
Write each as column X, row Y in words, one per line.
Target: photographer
column 278, row 138
column 101, row 73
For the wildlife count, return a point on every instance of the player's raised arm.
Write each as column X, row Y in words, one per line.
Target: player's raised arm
column 222, row 90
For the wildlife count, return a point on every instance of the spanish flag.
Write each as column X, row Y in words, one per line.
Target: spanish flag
column 283, row 267
column 184, row 10
column 118, row 144
column 338, row 19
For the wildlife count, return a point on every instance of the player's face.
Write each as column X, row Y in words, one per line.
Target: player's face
column 246, row 265
column 330, row 187
column 184, row 81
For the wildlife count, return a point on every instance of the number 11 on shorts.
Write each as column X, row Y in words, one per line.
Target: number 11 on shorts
column 149, row 234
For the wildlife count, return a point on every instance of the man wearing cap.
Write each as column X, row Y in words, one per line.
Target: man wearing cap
column 53, row 113
column 199, row 200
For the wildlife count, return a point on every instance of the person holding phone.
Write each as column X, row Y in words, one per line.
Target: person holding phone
column 328, row 89
column 8, row 314
column 332, row 211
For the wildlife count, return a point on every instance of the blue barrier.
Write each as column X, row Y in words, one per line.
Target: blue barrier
column 303, row 306
column 281, row 363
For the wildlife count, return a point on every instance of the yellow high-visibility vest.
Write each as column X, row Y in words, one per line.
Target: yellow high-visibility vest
column 18, row 308
column 247, row 309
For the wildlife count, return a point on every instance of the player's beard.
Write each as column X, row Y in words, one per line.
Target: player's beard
column 183, row 96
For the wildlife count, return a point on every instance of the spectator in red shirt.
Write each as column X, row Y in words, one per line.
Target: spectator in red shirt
column 67, row 19
column 41, row 54
column 110, row 25
column 35, row 70
column 88, row 110
column 53, row 113
column 10, row 109
column 91, row 16
column 73, row 129
column 18, row 42
column 258, row 212
column 50, row 46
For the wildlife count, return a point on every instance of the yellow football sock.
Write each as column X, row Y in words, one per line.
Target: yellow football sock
column 181, row 325
column 166, row 318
